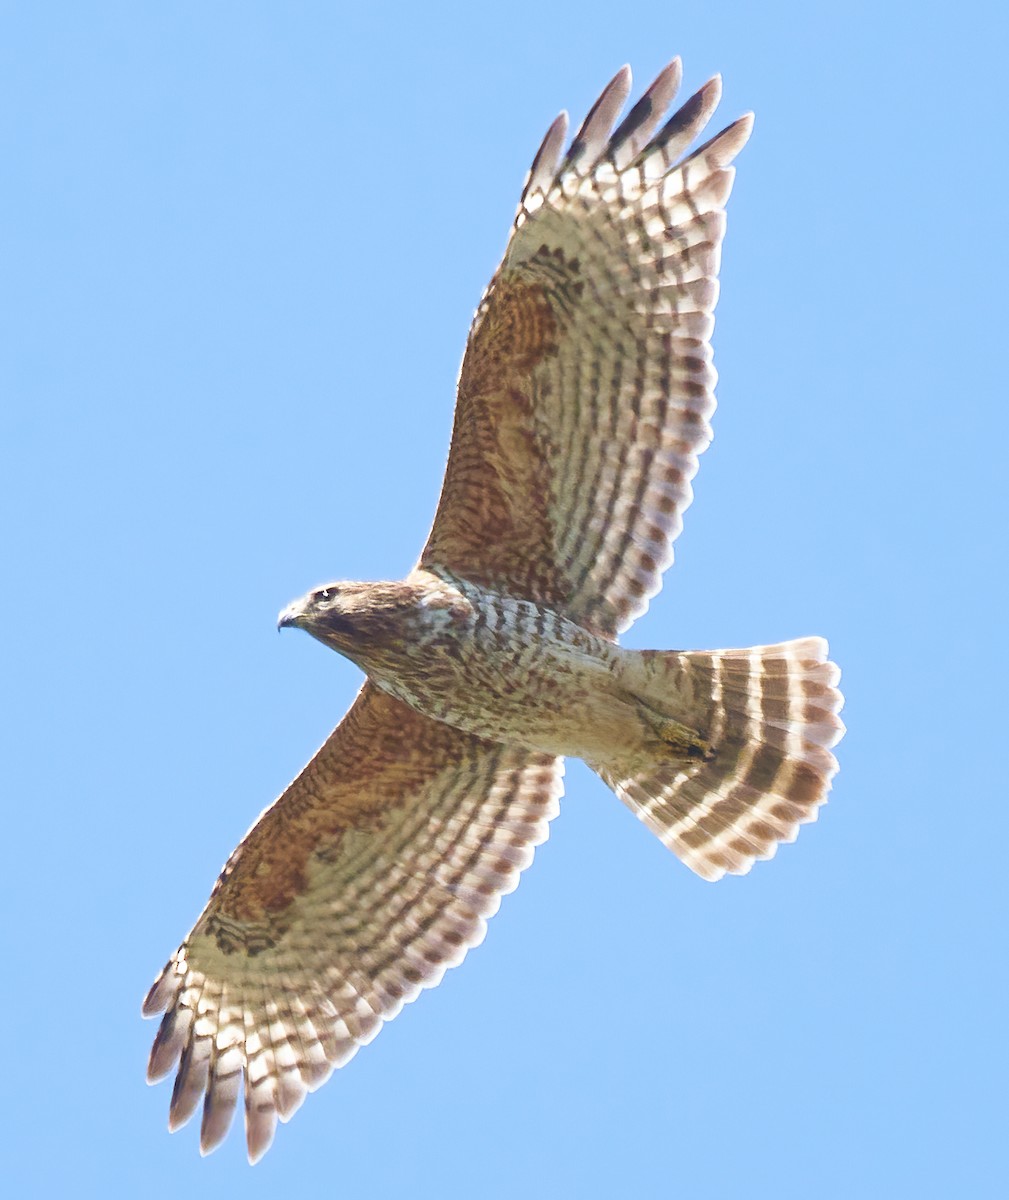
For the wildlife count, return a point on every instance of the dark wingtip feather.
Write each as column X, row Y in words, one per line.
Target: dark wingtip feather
column 548, row 157
column 691, row 117
column 168, row 1043
column 720, row 150
column 641, row 122
column 219, row 1108
column 159, row 994
column 190, row 1083
column 260, row 1128
column 593, row 136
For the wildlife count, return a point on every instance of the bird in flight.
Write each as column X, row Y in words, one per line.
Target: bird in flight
column 583, row 403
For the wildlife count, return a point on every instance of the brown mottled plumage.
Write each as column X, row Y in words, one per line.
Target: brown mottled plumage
column 583, row 405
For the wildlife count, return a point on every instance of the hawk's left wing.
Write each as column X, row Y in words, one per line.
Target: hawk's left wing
column 375, row 871
column 587, row 384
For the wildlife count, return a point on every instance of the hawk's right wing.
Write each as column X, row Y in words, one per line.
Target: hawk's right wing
column 375, row 871
column 587, row 384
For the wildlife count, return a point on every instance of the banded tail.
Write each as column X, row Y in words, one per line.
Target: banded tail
column 761, row 767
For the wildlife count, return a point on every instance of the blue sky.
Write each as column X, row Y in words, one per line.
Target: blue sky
column 240, row 246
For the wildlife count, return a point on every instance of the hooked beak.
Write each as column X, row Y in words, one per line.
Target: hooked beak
column 290, row 615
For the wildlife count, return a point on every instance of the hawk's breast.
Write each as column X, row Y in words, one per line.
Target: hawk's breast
column 504, row 669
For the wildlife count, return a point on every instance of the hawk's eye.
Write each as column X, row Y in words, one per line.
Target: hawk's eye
column 324, row 593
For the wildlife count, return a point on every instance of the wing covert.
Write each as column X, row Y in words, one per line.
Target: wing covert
column 374, row 872
column 587, row 384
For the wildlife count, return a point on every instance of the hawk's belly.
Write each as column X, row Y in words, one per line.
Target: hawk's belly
column 511, row 671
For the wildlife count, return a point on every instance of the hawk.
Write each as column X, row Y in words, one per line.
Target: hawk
column 583, row 404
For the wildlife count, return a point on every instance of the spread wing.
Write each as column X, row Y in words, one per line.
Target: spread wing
column 374, row 872
column 587, row 384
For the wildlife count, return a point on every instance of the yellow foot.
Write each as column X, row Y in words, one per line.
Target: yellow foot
column 687, row 743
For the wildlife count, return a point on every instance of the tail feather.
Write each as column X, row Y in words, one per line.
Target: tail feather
column 768, row 716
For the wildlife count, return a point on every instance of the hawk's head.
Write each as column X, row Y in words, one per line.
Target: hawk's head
column 359, row 620
column 334, row 614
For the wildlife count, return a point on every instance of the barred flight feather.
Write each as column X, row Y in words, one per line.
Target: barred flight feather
column 587, row 386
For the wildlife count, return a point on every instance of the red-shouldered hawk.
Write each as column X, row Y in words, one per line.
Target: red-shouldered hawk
column 583, row 404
